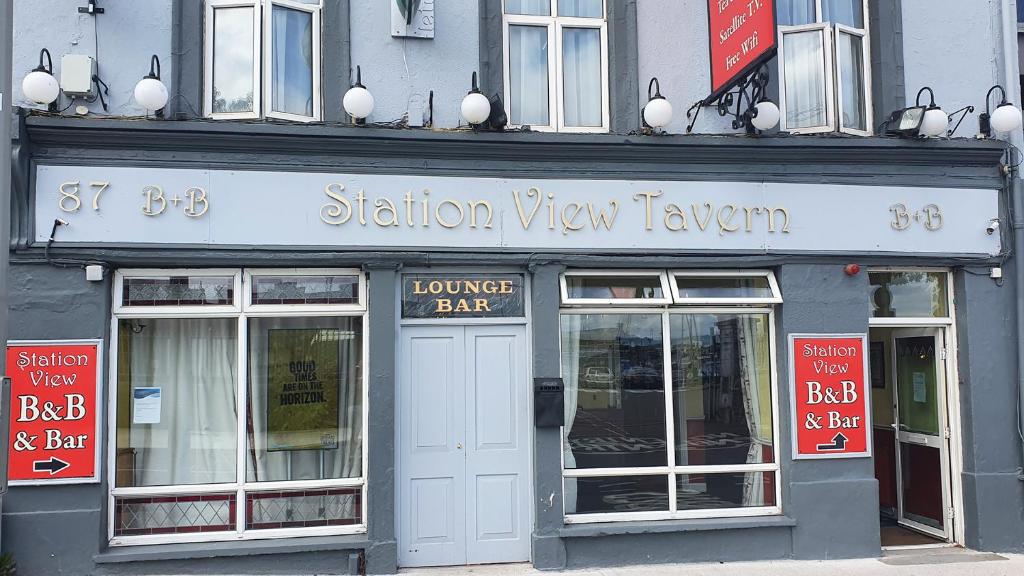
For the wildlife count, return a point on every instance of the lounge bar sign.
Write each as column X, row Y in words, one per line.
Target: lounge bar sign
column 463, row 296
column 831, row 395
column 741, row 36
column 54, row 434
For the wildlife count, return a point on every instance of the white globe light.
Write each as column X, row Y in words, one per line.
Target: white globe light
column 658, row 113
column 40, row 87
column 767, row 115
column 358, row 102
column 934, row 123
column 1006, row 118
column 151, row 94
column 476, row 108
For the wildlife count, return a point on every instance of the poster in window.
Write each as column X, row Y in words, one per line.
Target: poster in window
column 302, row 389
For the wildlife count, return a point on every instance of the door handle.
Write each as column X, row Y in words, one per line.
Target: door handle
column 458, row 446
column 893, row 426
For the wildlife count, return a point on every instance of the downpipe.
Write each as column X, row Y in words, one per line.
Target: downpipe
column 1011, row 80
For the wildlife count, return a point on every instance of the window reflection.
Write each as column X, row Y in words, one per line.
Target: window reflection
column 233, row 80
column 908, row 294
column 292, row 65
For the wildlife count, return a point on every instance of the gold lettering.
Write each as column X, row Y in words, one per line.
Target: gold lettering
column 451, row 287
column 472, row 286
column 567, row 221
column 601, row 217
column 382, row 205
column 361, row 199
column 426, row 208
column 435, row 287
column 526, row 220
column 444, row 305
column 724, row 225
column 551, row 211
column 462, row 306
column 505, row 286
column 481, row 305
column 674, row 211
column 417, row 287
column 489, row 287
column 648, row 204
column 441, row 221
column 331, row 213
column 750, row 219
column 408, row 208
column 702, row 225
column 472, row 212
column 771, row 219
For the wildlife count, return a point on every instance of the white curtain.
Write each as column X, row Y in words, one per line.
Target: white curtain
column 581, row 71
column 804, row 65
column 756, row 396
column 529, row 7
column 581, row 8
column 193, row 362
column 292, row 86
column 851, row 74
column 848, row 12
column 528, row 75
column 796, row 12
column 572, row 325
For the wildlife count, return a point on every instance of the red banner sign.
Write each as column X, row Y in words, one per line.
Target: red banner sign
column 831, row 396
column 741, row 35
column 54, row 411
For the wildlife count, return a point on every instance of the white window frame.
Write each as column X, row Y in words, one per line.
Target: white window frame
column 677, row 306
column 832, row 67
column 556, row 102
column 773, row 286
column 241, row 485
column 660, row 274
column 262, row 50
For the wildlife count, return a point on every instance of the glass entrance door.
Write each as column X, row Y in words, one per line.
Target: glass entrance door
column 922, row 446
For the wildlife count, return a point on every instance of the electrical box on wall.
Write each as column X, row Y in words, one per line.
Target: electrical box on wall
column 76, row 72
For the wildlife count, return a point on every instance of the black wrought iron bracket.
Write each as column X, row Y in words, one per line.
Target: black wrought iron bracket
column 752, row 89
column 963, row 112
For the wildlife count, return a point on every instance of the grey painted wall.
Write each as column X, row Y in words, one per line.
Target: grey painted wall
column 122, row 41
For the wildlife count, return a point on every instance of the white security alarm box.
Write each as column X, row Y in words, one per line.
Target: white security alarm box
column 76, row 72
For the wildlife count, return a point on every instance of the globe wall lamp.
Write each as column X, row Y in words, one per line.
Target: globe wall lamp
column 934, row 122
column 358, row 102
column 760, row 114
column 150, row 92
column 39, row 85
column 657, row 113
column 1005, row 118
column 476, row 108
column 919, row 120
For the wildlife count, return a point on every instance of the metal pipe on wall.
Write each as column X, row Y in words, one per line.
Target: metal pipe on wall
column 6, row 106
column 1011, row 79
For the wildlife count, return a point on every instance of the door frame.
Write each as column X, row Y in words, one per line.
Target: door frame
column 948, row 326
column 526, row 321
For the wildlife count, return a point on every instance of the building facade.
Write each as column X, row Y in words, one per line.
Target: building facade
column 323, row 345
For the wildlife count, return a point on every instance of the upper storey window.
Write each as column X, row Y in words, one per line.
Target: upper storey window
column 262, row 59
column 824, row 66
column 556, row 64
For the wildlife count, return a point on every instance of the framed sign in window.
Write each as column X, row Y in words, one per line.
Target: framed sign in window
column 741, row 36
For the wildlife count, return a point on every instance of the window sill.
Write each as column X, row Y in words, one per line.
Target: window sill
column 156, row 552
column 669, row 526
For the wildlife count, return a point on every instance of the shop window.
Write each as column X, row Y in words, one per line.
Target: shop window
column 238, row 417
column 262, row 59
column 587, row 287
column 909, row 294
column 670, row 407
column 556, row 64
column 824, row 66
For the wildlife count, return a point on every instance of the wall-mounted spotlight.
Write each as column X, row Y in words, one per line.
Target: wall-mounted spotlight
column 1005, row 118
column 476, row 108
column 657, row 113
column 918, row 120
column 358, row 102
column 39, row 85
column 150, row 92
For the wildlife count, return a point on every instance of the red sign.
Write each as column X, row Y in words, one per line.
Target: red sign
column 831, row 395
column 741, row 35
column 54, row 411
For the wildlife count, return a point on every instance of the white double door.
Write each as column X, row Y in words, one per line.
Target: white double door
column 463, row 453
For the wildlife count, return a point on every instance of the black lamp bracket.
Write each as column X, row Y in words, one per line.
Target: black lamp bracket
column 963, row 115
column 985, row 120
column 931, row 94
column 91, row 9
column 753, row 89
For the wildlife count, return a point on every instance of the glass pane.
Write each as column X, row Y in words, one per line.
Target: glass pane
column 848, row 12
column 303, row 508
column 719, row 287
column 805, row 79
column 176, row 417
column 851, row 75
column 305, row 399
column 305, row 289
column 581, row 8
column 721, row 386
column 292, row 62
column 908, row 294
column 796, row 12
column 528, row 75
column 581, row 71
column 616, row 494
column 921, row 468
column 717, row 491
column 528, row 7
column 233, row 60
column 178, row 291
column 174, row 514
column 917, row 385
column 614, row 287
column 614, row 372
